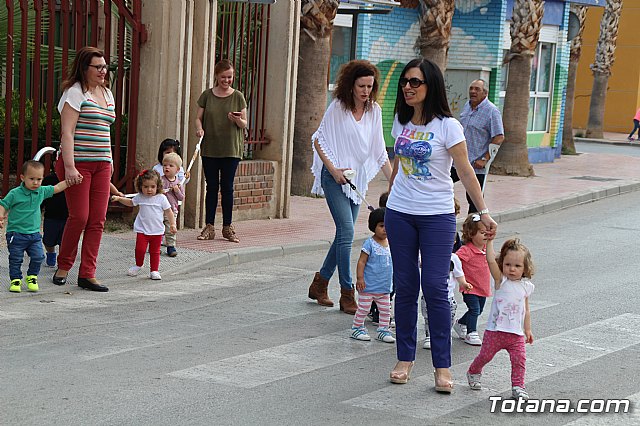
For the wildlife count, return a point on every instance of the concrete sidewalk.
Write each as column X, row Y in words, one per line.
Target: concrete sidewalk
column 569, row 181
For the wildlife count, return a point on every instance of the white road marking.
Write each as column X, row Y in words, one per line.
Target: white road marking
column 280, row 362
column 547, row 356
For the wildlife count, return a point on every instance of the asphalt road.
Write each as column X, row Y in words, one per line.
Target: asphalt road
column 608, row 148
column 243, row 345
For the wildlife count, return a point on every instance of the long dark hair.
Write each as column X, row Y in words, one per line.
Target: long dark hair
column 79, row 67
column 347, row 76
column 435, row 103
column 166, row 144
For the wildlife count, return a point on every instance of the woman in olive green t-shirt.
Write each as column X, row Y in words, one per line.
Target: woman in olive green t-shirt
column 222, row 118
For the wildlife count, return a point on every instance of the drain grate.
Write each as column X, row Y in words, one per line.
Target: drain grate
column 594, row 178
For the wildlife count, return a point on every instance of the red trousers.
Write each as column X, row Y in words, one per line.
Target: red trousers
column 87, row 204
column 153, row 241
column 495, row 341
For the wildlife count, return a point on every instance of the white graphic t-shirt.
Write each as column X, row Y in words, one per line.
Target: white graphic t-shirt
column 423, row 184
column 508, row 308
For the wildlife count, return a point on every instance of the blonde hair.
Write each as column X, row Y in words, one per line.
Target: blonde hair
column 172, row 158
column 514, row 244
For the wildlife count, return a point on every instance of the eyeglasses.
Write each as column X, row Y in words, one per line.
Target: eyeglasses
column 413, row 82
column 100, row 68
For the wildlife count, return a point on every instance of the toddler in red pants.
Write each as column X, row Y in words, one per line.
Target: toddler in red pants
column 149, row 225
column 509, row 325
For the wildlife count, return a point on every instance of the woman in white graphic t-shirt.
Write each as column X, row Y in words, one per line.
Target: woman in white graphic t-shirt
column 420, row 215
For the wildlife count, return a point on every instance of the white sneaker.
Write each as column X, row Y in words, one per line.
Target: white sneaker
column 461, row 330
column 133, row 271
column 474, row 381
column 473, row 339
column 384, row 335
column 360, row 333
column 517, row 392
column 155, row 275
column 427, row 343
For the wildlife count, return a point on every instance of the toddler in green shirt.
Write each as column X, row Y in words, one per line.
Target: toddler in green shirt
column 23, row 223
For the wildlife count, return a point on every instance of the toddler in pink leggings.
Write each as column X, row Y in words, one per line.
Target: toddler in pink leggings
column 509, row 325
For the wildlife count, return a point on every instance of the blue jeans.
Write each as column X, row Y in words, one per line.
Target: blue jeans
column 18, row 244
column 344, row 213
column 432, row 236
column 475, row 305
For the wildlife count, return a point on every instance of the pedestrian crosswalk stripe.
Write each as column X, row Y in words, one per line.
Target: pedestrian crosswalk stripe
column 547, row 356
column 268, row 365
column 613, row 419
column 280, row 362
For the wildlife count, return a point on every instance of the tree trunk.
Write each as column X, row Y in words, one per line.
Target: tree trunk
column 311, row 102
column 596, row 107
column 437, row 55
column 568, row 143
column 601, row 67
column 436, row 17
column 513, row 156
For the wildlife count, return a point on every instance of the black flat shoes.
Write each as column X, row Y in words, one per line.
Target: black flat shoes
column 88, row 285
column 59, row 280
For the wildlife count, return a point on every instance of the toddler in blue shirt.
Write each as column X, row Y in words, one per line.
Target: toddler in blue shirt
column 374, row 281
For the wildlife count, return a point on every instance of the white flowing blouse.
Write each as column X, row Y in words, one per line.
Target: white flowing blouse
column 350, row 144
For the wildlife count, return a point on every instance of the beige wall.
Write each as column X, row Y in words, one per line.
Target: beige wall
column 623, row 93
column 281, row 98
column 177, row 65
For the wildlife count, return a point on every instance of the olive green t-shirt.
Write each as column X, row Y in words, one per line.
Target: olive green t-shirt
column 222, row 138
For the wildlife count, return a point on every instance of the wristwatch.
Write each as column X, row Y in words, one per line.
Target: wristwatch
column 483, row 211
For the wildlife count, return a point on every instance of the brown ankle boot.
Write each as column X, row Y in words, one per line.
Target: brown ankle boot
column 347, row 301
column 318, row 290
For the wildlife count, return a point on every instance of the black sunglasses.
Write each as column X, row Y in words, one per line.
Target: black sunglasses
column 413, row 82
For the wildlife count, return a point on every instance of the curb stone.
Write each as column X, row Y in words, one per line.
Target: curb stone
column 235, row 257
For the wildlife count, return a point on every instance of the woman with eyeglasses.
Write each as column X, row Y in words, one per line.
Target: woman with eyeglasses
column 420, row 219
column 87, row 110
column 221, row 120
column 349, row 138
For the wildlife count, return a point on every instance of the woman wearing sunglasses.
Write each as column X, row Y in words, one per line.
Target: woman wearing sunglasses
column 87, row 110
column 349, row 138
column 420, row 219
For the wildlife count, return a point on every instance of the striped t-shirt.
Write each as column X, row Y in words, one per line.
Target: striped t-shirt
column 92, row 141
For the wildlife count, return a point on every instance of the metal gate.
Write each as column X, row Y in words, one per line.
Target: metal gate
column 243, row 38
column 38, row 40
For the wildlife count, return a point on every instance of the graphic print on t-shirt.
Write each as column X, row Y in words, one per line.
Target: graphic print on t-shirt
column 414, row 151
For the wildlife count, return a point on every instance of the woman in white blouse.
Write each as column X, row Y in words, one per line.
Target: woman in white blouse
column 349, row 138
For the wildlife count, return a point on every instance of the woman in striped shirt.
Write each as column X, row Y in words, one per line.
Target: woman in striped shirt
column 87, row 109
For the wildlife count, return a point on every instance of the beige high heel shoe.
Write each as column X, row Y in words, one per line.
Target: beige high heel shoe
column 447, row 387
column 401, row 377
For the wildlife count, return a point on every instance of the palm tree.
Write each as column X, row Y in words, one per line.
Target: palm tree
column 435, row 30
column 601, row 68
column 568, row 145
column 513, row 157
column 316, row 24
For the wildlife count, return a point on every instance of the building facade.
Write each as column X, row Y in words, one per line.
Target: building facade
column 623, row 94
column 479, row 39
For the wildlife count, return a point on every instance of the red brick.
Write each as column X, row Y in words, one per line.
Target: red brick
column 270, row 184
column 245, row 193
column 269, row 197
column 267, row 191
column 255, row 192
column 244, row 207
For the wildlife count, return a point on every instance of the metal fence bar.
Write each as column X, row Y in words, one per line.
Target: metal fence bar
column 8, row 95
column 41, row 42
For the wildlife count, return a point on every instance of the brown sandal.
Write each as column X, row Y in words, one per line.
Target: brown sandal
column 208, row 232
column 229, row 233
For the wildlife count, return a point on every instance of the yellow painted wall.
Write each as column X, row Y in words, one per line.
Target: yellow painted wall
column 623, row 94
